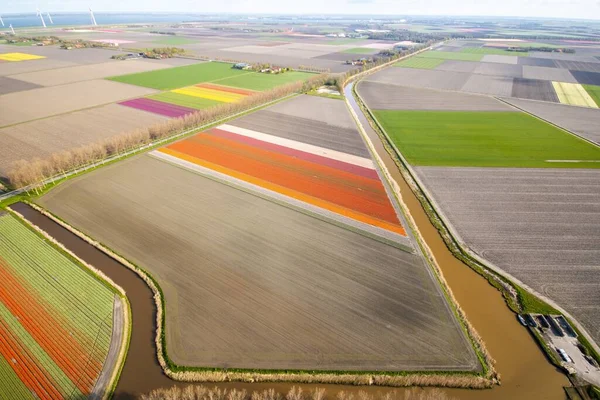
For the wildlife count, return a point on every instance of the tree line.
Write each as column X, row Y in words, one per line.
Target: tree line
column 25, row 173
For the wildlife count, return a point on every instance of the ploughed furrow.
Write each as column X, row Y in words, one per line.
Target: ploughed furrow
column 52, row 337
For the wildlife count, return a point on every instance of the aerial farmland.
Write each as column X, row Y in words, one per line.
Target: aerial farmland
column 518, row 191
column 253, row 173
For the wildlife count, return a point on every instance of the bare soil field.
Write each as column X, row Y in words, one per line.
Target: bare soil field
column 45, row 102
column 11, row 85
column 330, row 111
column 252, row 284
column 43, row 137
column 493, row 58
column 422, row 78
column 548, row 74
column 540, row 225
column 487, row 84
column 12, row 68
column 583, row 121
column 537, row 62
column 306, row 130
column 587, row 78
column 496, row 69
column 61, row 76
column 457, row 66
column 380, row 96
column 534, row 90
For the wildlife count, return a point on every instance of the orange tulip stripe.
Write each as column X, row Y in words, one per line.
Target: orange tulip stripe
column 55, row 318
column 346, row 189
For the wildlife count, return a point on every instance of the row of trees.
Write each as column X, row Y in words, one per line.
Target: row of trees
column 31, row 172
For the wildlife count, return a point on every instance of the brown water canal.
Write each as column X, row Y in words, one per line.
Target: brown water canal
column 525, row 372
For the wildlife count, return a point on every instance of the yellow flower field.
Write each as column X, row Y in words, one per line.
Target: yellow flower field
column 573, row 94
column 19, row 57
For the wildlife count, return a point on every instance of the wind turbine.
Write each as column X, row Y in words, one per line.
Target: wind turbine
column 12, row 30
column 50, row 18
column 39, row 14
column 1, row 20
column 92, row 17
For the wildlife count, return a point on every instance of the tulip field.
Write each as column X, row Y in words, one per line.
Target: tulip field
column 55, row 319
column 207, row 85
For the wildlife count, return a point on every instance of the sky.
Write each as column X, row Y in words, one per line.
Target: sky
column 586, row 9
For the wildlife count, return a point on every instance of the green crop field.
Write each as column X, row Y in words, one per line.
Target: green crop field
column 420, row 62
column 449, row 55
column 184, row 100
column 172, row 78
column 359, row 50
column 57, row 295
column 258, row 81
column 484, row 139
column 492, row 51
column 594, row 92
column 174, row 41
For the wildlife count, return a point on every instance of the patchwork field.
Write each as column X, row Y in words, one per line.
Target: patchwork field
column 215, row 83
column 44, row 137
column 381, row 304
column 318, row 163
column 494, row 70
column 173, row 78
column 45, row 102
column 540, row 225
column 78, row 73
column 56, row 319
column 485, row 139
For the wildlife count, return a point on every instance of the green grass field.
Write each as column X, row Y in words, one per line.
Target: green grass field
column 184, row 100
column 449, row 55
column 173, row 78
column 359, row 50
column 594, row 92
column 260, row 82
column 420, row 62
column 21, row 44
column 484, row 139
column 492, row 51
column 174, row 41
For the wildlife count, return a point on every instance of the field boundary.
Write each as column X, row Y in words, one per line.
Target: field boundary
column 107, row 391
column 545, row 120
column 454, row 379
column 513, row 290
